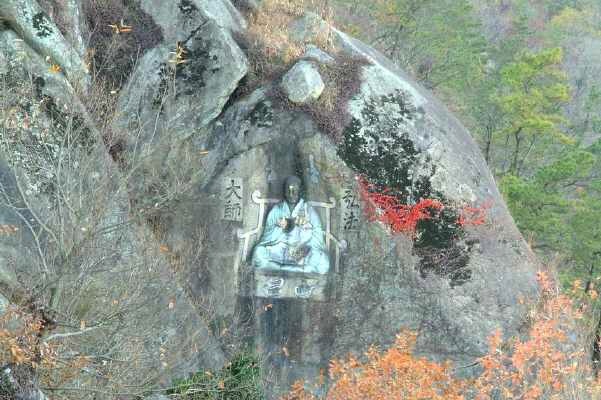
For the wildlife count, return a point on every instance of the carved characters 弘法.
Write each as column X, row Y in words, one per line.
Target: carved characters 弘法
column 349, row 210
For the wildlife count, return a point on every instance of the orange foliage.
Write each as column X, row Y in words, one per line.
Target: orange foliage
column 394, row 374
column 22, row 343
column 19, row 339
column 543, row 366
column 380, row 205
column 539, row 366
column 8, row 229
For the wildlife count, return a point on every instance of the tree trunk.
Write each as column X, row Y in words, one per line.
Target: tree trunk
column 513, row 168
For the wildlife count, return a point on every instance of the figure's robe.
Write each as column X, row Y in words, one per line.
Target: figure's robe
column 300, row 249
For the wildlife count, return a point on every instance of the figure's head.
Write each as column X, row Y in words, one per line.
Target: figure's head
column 292, row 189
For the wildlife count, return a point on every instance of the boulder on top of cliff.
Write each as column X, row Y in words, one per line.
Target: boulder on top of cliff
column 302, row 83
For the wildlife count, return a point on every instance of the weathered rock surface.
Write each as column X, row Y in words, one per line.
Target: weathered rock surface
column 313, row 52
column 303, row 83
column 178, row 22
column 34, row 26
column 120, row 282
column 190, row 142
column 69, row 18
column 187, row 86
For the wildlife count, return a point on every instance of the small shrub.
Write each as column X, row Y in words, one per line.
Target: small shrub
column 393, row 374
column 542, row 366
column 240, row 379
column 19, row 339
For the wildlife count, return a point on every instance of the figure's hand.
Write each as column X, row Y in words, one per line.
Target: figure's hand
column 282, row 223
column 303, row 223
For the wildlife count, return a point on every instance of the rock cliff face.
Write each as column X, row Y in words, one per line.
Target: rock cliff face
column 195, row 159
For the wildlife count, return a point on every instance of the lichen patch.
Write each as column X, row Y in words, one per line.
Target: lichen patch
column 41, row 24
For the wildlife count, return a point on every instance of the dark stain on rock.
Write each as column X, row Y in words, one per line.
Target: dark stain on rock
column 41, row 24
column 281, row 327
column 187, row 8
column 116, row 149
column 379, row 148
column 440, row 231
column 188, row 74
column 38, row 86
column 165, row 76
column 261, row 115
column 81, row 135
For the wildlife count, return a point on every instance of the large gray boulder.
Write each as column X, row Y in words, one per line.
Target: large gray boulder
column 200, row 166
column 454, row 284
column 183, row 88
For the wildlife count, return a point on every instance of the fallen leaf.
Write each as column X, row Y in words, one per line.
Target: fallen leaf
column 54, row 68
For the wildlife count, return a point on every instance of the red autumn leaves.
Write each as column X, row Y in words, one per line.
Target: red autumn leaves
column 383, row 206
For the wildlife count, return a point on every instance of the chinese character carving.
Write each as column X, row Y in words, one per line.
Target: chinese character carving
column 304, row 291
column 232, row 197
column 350, row 210
column 274, row 286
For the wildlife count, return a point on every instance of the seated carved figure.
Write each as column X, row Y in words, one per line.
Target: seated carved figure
column 293, row 239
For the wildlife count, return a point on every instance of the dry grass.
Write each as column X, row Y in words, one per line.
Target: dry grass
column 271, row 50
column 269, row 46
column 268, row 43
